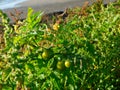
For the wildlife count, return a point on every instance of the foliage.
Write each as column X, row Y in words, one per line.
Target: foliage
column 34, row 54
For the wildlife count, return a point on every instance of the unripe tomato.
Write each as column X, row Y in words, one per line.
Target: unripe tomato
column 60, row 65
column 67, row 63
column 47, row 54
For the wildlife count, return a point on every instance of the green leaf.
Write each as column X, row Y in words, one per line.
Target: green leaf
column 30, row 11
column 6, row 73
column 71, row 87
column 117, row 17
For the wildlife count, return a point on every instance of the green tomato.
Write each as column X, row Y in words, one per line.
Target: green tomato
column 60, row 65
column 47, row 54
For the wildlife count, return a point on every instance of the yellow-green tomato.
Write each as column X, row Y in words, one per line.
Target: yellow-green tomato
column 60, row 65
column 67, row 63
column 45, row 54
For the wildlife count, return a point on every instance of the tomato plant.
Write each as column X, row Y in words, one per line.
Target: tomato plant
column 81, row 52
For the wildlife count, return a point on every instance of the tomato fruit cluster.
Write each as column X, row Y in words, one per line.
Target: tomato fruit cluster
column 61, row 65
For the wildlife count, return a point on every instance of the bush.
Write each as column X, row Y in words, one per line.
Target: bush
column 79, row 52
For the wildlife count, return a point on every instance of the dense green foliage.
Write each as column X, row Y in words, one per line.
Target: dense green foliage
column 79, row 52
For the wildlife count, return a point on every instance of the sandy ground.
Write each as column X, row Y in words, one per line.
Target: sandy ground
column 44, row 2
column 49, row 6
